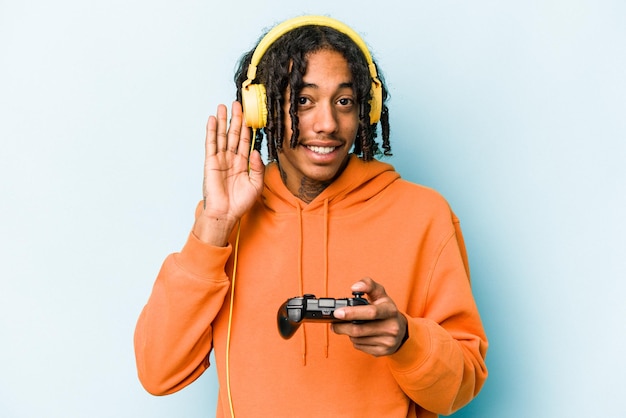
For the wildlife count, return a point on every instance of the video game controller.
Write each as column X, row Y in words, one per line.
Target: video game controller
column 308, row 308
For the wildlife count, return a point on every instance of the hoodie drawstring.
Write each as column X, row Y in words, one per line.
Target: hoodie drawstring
column 327, row 328
column 301, row 278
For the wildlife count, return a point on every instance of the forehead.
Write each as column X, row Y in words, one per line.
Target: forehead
column 327, row 65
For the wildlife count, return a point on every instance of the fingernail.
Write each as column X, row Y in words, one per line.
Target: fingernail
column 340, row 314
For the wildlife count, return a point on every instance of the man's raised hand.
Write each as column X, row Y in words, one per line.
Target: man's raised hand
column 229, row 190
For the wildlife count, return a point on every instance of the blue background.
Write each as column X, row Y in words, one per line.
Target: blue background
column 513, row 110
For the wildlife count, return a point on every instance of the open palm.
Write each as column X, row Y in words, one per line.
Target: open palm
column 229, row 187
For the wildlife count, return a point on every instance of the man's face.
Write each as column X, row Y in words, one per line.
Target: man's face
column 328, row 123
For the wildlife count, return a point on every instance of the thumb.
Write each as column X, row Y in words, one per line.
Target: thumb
column 257, row 170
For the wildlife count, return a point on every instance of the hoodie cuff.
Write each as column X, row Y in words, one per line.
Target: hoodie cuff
column 203, row 259
column 415, row 350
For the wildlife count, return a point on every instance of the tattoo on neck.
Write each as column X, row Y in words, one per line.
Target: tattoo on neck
column 310, row 189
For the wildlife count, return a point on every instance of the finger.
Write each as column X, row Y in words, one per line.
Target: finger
column 381, row 306
column 210, row 144
column 374, row 347
column 222, row 141
column 257, row 169
column 385, row 306
column 245, row 143
column 357, row 313
column 210, row 149
column 361, row 332
column 373, row 289
column 385, row 335
column 235, row 130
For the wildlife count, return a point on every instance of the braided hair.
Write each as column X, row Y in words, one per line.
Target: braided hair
column 284, row 64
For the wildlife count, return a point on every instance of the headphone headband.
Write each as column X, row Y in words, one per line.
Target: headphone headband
column 254, row 95
column 311, row 20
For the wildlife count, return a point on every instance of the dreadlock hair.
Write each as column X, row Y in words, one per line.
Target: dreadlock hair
column 284, row 64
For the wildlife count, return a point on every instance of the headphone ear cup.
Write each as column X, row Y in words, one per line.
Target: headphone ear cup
column 254, row 103
column 376, row 103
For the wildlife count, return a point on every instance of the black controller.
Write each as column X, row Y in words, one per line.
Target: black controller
column 308, row 308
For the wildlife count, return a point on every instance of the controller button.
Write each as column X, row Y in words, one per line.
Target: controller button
column 326, row 303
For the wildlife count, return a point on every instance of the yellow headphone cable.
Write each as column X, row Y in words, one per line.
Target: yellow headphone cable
column 232, row 294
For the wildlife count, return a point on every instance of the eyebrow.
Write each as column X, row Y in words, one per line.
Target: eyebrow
column 343, row 85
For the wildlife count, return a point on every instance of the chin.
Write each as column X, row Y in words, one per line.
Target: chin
column 325, row 174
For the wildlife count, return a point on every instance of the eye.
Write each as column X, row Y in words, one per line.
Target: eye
column 303, row 101
column 345, row 101
column 345, row 104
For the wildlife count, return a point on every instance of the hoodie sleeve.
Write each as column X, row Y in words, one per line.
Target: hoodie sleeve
column 441, row 366
column 173, row 336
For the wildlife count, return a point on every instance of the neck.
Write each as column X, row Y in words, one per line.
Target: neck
column 307, row 190
column 310, row 189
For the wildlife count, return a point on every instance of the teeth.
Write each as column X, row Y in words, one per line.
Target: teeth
column 321, row 150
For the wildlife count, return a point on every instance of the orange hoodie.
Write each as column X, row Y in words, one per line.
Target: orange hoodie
column 368, row 223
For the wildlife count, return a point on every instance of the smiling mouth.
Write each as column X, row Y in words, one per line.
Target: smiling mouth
column 321, row 150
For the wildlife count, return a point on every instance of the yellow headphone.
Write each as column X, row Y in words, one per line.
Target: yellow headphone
column 254, row 96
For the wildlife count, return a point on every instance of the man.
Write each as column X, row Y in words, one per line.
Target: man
column 324, row 218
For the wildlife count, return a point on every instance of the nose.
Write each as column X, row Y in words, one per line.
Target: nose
column 325, row 118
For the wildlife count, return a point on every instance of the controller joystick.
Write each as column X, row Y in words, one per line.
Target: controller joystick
column 308, row 308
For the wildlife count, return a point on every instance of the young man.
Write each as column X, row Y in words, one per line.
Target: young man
column 324, row 218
